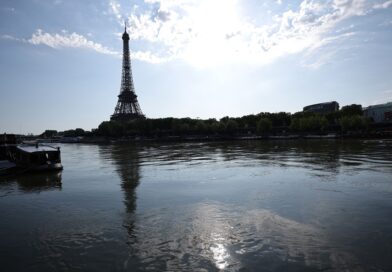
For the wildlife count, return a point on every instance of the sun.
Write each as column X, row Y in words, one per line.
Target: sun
column 215, row 25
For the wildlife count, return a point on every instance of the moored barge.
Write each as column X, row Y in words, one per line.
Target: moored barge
column 37, row 157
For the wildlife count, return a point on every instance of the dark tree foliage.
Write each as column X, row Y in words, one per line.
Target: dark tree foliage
column 49, row 133
column 351, row 110
column 348, row 118
column 78, row 132
column 264, row 125
column 316, row 123
column 354, row 123
column 231, row 126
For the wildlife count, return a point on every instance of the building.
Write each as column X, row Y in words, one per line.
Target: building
column 381, row 113
column 322, row 108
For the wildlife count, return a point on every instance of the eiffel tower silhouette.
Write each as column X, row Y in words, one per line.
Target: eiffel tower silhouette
column 127, row 107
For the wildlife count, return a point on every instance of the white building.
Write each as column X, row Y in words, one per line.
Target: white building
column 381, row 113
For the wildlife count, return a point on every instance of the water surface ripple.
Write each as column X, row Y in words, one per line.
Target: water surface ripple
column 232, row 206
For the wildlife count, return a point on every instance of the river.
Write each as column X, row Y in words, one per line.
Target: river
column 232, row 206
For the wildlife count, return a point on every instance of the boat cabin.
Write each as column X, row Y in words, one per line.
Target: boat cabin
column 38, row 157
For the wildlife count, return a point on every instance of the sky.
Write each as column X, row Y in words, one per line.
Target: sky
column 60, row 60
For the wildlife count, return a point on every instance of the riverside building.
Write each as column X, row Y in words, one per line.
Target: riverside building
column 380, row 113
column 322, row 108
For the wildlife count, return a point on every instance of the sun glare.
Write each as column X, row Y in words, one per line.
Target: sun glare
column 214, row 22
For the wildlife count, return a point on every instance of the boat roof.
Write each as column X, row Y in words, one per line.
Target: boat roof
column 39, row 148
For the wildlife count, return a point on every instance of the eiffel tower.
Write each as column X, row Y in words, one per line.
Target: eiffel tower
column 127, row 106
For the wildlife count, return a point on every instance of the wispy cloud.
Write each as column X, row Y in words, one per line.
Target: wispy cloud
column 9, row 37
column 212, row 32
column 383, row 5
column 209, row 32
column 74, row 40
column 320, row 54
column 8, row 9
column 148, row 56
column 64, row 40
column 114, row 8
column 386, row 23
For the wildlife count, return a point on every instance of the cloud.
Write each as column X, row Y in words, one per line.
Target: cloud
column 114, row 8
column 386, row 23
column 212, row 32
column 67, row 40
column 9, row 37
column 8, row 9
column 383, row 5
column 148, row 56
column 325, row 51
column 74, row 40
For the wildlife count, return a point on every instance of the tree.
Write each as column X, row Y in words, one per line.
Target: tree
column 79, row 132
column 231, row 126
column 264, row 125
column 200, row 127
column 249, row 121
column 316, row 123
column 279, row 119
column 111, row 128
column 351, row 110
column 49, row 133
column 353, row 123
column 295, row 124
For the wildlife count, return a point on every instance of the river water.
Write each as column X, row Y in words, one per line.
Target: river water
column 239, row 206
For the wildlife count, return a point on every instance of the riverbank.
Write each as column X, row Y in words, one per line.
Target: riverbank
column 222, row 138
column 379, row 133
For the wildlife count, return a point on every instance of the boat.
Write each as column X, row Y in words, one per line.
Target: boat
column 37, row 157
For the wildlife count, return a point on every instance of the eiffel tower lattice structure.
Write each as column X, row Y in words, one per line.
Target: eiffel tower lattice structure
column 127, row 106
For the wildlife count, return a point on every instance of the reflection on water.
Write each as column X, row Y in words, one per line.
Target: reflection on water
column 242, row 206
column 213, row 236
column 32, row 182
column 126, row 162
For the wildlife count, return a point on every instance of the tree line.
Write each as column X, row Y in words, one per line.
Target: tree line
column 349, row 118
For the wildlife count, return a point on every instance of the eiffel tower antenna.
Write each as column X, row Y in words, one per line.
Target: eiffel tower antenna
column 127, row 107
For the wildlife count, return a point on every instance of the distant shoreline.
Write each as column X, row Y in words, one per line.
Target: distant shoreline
column 98, row 140
column 283, row 136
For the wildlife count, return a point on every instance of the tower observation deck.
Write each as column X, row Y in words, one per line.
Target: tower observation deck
column 127, row 107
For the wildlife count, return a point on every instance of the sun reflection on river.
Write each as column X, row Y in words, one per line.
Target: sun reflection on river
column 219, row 251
